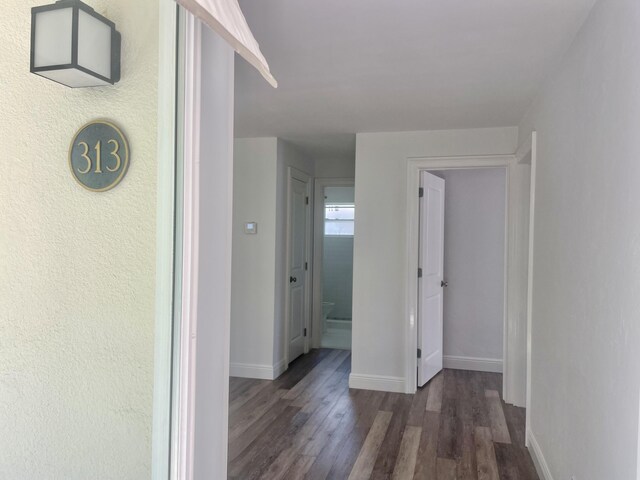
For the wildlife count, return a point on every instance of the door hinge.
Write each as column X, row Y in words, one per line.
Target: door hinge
column 419, row 273
column 306, row 266
column 419, row 353
column 306, row 200
column 421, row 192
column 305, row 332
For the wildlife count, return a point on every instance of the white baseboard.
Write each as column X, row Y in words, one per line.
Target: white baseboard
column 473, row 363
column 279, row 368
column 252, row 370
column 538, row 458
column 377, row 382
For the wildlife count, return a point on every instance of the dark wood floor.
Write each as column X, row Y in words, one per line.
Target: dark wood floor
column 309, row 424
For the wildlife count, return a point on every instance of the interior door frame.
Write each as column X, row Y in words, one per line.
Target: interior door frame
column 303, row 177
column 187, row 229
column 510, row 323
column 318, row 244
column 180, row 114
column 528, row 153
column 165, row 442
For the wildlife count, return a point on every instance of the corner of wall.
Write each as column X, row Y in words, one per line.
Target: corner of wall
column 257, row 371
column 379, row 383
column 538, row 457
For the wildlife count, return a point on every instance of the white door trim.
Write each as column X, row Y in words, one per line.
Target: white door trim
column 165, row 218
column 187, row 270
column 186, row 328
column 414, row 166
column 318, row 233
column 303, row 177
column 529, row 152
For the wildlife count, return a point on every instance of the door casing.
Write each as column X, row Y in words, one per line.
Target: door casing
column 513, row 349
column 527, row 153
column 183, row 106
column 163, row 443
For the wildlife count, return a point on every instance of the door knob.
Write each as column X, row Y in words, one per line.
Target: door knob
column 444, row 284
column 293, row 279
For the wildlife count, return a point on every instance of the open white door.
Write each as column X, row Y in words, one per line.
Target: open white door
column 431, row 281
column 297, row 266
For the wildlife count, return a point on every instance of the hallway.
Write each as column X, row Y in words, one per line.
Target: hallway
column 309, row 424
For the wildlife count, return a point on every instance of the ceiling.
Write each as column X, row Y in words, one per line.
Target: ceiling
column 347, row 66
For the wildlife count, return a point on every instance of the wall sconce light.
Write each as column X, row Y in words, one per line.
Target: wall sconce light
column 73, row 45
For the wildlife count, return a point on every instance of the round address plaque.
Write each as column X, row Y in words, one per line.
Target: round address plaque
column 99, row 156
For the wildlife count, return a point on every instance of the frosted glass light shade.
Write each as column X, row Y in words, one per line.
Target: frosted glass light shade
column 73, row 45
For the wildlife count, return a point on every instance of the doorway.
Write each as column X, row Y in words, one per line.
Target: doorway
column 333, row 263
column 462, row 264
column 520, row 178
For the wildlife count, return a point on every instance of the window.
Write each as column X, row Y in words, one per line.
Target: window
column 339, row 219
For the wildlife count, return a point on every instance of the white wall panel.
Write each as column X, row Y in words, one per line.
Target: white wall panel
column 586, row 271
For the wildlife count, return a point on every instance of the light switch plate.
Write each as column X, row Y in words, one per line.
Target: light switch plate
column 251, row 228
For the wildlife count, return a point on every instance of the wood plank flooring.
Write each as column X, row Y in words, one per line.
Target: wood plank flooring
column 308, row 424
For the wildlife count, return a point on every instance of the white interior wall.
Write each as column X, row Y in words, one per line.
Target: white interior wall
column 474, row 251
column 379, row 290
column 253, row 264
column 214, row 286
column 335, row 168
column 259, row 277
column 586, row 271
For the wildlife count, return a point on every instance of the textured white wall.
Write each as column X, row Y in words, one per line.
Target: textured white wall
column 253, row 267
column 585, row 355
column 76, row 267
column 474, row 229
column 380, row 254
